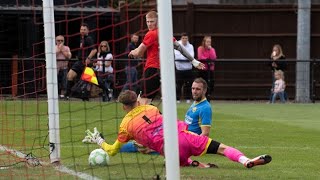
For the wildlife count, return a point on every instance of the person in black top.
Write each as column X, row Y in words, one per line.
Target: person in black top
column 277, row 63
column 86, row 51
column 131, row 66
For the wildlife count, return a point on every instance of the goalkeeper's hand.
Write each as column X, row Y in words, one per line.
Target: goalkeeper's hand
column 94, row 137
column 197, row 64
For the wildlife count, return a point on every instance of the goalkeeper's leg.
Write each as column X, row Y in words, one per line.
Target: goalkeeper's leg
column 236, row 155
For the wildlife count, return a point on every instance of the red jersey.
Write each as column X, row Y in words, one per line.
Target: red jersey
column 151, row 41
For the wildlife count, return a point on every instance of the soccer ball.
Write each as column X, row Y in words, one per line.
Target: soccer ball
column 98, row 157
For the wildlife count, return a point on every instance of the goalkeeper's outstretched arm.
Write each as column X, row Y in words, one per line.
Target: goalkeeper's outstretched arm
column 95, row 137
column 186, row 54
column 111, row 149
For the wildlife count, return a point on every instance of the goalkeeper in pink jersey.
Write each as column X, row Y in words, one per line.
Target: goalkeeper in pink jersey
column 143, row 123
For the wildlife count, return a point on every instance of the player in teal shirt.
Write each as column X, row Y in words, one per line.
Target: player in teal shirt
column 199, row 115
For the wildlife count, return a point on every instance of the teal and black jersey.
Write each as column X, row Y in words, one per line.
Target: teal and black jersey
column 199, row 114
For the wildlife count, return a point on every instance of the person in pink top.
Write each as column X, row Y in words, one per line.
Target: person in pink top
column 279, row 86
column 63, row 54
column 207, row 55
column 144, row 124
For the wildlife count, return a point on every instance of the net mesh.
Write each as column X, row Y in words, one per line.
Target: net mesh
column 24, row 140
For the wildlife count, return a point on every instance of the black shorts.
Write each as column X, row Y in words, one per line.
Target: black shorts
column 151, row 83
column 78, row 67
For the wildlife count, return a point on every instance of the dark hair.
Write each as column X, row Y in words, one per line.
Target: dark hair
column 134, row 34
column 184, row 34
column 85, row 24
column 201, row 80
column 128, row 97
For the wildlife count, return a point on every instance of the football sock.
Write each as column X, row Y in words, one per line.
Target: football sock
column 69, row 86
column 243, row 159
column 235, row 155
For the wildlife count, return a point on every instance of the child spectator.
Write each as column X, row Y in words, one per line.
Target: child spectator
column 279, row 86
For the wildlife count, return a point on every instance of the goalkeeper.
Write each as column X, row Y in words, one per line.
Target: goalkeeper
column 143, row 123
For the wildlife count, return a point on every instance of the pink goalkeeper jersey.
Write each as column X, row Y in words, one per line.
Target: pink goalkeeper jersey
column 144, row 124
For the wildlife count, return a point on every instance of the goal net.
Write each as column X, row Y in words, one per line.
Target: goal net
column 25, row 145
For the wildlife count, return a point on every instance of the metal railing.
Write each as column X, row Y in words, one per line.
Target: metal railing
column 232, row 79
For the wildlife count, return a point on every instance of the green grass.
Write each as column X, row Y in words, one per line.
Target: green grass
column 288, row 132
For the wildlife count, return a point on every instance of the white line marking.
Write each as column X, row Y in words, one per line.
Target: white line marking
column 60, row 168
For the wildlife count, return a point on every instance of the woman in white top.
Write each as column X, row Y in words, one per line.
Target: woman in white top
column 104, row 69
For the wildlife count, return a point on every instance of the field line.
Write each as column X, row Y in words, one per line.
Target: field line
column 60, row 168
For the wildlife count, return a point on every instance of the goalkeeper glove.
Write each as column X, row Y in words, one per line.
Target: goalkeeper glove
column 94, row 137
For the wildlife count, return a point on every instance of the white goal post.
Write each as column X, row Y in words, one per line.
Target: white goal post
column 52, row 84
column 168, row 90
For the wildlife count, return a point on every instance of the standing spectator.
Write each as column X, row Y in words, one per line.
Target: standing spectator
column 199, row 115
column 131, row 66
column 86, row 52
column 277, row 63
column 104, row 68
column 184, row 74
column 279, row 86
column 63, row 54
column 152, row 67
column 207, row 55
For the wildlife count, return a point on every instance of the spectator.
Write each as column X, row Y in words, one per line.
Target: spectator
column 199, row 115
column 277, row 63
column 103, row 66
column 131, row 66
column 184, row 74
column 62, row 54
column 207, row 55
column 86, row 52
column 279, row 86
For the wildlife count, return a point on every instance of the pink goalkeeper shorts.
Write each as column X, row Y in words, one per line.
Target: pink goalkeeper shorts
column 191, row 144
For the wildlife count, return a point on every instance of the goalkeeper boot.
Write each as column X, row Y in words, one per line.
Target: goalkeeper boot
column 260, row 160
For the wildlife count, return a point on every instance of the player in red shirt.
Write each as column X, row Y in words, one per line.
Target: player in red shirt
column 150, row 44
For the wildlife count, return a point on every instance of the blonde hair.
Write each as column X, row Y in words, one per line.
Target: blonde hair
column 106, row 43
column 280, row 50
column 280, row 73
column 203, row 43
column 152, row 14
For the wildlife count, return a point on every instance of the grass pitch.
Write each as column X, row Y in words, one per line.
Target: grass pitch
column 288, row 132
